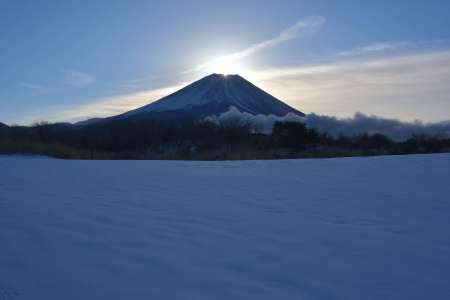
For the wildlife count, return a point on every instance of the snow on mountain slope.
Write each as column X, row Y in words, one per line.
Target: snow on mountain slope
column 217, row 93
column 354, row 228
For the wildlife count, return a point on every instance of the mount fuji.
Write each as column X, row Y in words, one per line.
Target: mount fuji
column 213, row 95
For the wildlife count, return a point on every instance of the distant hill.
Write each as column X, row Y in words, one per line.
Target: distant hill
column 4, row 130
column 88, row 121
column 3, row 127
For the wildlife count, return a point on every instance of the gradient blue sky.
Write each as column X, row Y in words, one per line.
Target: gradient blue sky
column 71, row 60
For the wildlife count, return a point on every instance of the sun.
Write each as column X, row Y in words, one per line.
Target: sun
column 226, row 65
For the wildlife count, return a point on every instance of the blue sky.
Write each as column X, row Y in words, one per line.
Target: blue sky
column 71, row 60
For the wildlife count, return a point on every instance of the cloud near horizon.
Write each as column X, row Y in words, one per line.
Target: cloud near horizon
column 353, row 126
column 105, row 107
column 389, row 87
column 394, row 87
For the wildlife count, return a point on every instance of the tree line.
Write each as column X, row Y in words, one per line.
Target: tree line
column 190, row 139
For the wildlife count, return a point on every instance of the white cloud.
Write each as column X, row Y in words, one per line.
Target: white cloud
column 78, row 79
column 259, row 123
column 101, row 107
column 129, row 86
column 405, row 87
column 378, row 47
column 353, row 126
column 36, row 87
column 300, row 28
column 307, row 25
column 361, row 123
column 71, row 78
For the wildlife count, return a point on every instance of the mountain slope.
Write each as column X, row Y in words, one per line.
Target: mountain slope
column 3, row 128
column 215, row 94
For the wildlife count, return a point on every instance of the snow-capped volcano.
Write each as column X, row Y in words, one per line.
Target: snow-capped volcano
column 215, row 94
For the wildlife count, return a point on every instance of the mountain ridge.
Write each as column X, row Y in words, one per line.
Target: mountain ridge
column 209, row 96
column 219, row 92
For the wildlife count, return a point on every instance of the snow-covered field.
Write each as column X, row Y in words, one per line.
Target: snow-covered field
column 351, row 228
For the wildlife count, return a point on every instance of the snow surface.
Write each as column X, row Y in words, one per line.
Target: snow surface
column 354, row 228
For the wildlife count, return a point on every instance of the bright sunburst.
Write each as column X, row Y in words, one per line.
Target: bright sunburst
column 224, row 65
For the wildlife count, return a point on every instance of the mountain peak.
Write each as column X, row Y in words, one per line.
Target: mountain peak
column 215, row 94
column 221, row 77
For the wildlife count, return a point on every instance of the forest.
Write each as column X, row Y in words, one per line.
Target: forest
column 188, row 139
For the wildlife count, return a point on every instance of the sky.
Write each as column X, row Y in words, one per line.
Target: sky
column 73, row 60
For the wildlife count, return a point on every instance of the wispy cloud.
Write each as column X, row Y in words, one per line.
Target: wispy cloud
column 41, row 89
column 406, row 87
column 377, row 47
column 137, row 83
column 129, row 86
column 71, row 78
column 78, row 79
column 105, row 107
column 302, row 27
column 143, row 79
